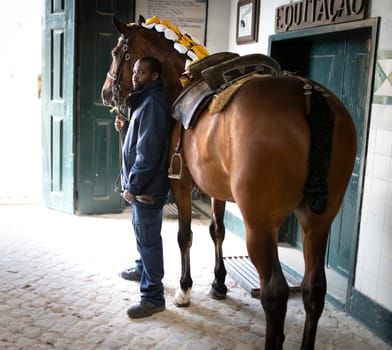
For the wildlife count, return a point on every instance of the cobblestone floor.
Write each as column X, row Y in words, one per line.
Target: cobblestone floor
column 60, row 289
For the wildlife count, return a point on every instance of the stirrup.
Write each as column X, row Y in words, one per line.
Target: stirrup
column 171, row 173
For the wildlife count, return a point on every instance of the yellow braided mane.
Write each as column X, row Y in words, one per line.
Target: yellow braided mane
column 183, row 42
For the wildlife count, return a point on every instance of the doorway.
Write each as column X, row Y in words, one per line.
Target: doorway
column 340, row 57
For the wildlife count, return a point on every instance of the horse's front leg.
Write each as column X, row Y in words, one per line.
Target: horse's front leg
column 182, row 194
column 217, row 231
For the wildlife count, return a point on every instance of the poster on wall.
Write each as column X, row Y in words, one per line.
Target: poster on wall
column 190, row 16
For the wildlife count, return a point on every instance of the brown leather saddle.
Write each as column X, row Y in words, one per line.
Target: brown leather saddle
column 213, row 75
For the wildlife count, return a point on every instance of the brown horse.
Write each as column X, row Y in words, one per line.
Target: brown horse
column 256, row 152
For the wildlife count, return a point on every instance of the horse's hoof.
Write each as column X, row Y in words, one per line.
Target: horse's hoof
column 182, row 299
column 216, row 295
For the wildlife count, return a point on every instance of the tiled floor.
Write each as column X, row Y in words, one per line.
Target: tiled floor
column 60, row 289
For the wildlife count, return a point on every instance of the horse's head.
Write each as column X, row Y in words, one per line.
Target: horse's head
column 135, row 41
column 118, row 81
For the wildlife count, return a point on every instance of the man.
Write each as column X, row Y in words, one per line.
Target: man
column 144, row 174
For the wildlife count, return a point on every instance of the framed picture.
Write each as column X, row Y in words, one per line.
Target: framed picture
column 247, row 21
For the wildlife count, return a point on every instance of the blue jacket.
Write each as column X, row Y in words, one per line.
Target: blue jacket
column 146, row 143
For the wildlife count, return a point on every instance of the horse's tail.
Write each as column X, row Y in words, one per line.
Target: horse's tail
column 320, row 117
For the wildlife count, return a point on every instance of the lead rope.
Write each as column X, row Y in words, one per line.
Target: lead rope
column 118, row 182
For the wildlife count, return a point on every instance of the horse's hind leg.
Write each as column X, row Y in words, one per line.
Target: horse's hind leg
column 217, row 232
column 262, row 248
column 314, row 285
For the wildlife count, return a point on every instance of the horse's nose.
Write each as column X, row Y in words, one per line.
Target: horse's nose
column 106, row 96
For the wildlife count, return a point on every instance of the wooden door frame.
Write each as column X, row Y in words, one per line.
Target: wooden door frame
column 372, row 24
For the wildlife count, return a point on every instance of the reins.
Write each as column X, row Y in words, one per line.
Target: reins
column 121, row 108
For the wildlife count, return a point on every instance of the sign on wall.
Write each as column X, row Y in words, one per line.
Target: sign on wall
column 190, row 16
column 312, row 13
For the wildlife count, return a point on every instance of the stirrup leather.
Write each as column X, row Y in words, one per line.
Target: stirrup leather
column 177, row 154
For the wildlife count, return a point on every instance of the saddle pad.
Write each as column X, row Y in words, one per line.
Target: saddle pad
column 186, row 106
column 220, row 100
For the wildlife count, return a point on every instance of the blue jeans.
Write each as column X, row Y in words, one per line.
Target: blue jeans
column 147, row 224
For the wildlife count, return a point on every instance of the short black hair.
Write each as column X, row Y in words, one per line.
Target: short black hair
column 155, row 65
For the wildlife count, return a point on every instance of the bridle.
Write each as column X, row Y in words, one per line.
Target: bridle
column 121, row 107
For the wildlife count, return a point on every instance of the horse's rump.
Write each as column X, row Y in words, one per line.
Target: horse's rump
column 264, row 129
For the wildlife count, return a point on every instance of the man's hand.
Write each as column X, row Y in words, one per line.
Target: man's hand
column 129, row 197
column 118, row 124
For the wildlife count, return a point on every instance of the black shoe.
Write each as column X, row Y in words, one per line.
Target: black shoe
column 130, row 275
column 144, row 309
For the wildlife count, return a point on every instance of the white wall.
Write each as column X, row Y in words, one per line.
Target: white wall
column 373, row 272
column 20, row 132
column 383, row 8
column 266, row 28
column 217, row 20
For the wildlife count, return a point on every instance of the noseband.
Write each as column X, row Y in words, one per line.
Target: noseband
column 116, row 78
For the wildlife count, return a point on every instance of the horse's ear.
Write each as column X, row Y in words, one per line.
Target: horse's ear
column 121, row 27
column 141, row 20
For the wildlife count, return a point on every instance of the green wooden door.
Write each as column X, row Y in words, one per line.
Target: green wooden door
column 98, row 145
column 80, row 145
column 58, row 102
column 340, row 61
column 342, row 242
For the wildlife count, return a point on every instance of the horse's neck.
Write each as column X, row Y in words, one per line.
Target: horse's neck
column 172, row 80
column 173, row 87
column 173, row 91
column 173, row 63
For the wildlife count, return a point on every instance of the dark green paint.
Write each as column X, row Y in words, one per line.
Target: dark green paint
column 58, row 102
column 374, row 316
column 98, row 144
column 81, row 150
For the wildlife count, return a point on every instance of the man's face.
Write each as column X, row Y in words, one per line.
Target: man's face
column 142, row 74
